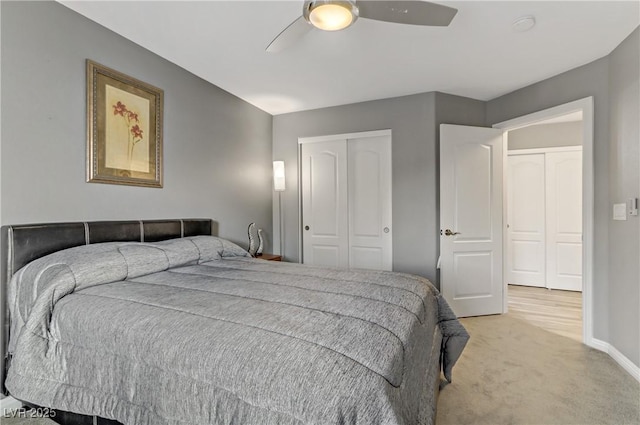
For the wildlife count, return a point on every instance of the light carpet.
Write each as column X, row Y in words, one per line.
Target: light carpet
column 515, row 373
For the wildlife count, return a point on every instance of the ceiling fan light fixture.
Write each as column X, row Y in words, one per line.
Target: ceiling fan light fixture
column 330, row 15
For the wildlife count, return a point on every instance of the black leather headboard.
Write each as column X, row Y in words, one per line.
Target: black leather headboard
column 24, row 243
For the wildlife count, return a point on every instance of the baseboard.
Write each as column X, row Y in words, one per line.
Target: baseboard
column 598, row 345
column 7, row 403
column 626, row 364
column 616, row 355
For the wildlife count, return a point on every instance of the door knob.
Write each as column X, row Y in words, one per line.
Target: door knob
column 448, row 232
column 386, row 230
column 306, row 227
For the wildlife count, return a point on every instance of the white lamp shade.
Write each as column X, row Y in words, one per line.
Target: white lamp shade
column 278, row 176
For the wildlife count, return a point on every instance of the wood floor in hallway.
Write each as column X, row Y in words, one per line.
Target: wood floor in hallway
column 556, row 311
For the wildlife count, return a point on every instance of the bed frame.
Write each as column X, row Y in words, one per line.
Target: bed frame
column 24, row 243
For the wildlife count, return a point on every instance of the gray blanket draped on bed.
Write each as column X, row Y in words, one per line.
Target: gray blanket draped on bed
column 192, row 331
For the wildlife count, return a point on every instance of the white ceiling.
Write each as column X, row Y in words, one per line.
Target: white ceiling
column 478, row 55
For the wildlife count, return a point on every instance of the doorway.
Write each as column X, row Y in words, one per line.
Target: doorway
column 543, row 250
column 476, row 158
column 568, row 112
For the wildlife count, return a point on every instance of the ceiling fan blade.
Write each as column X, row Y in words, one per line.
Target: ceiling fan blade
column 291, row 34
column 407, row 12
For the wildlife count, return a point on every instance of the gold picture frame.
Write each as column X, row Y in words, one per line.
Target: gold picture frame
column 124, row 129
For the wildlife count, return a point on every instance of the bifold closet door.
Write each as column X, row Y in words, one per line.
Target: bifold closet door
column 526, row 220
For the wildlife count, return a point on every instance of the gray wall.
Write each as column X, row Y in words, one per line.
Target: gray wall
column 613, row 82
column 546, row 136
column 413, row 122
column 624, row 182
column 217, row 148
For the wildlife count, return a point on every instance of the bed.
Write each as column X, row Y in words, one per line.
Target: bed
column 181, row 327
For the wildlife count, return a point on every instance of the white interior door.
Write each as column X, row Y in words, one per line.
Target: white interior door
column 369, row 171
column 564, row 220
column 471, row 212
column 525, row 256
column 324, row 204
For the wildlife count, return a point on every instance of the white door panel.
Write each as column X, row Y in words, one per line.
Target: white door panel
column 526, row 219
column 325, row 255
column 363, row 257
column 471, row 203
column 564, row 220
column 325, row 194
column 473, row 208
column 370, row 235
column 474, row 272
column 324, row 188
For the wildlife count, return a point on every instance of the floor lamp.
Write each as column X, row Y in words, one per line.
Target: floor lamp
column 279, row 186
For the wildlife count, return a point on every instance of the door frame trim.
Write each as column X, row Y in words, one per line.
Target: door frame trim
column 588, row 204
column 327, row 138
column 532, row 151
column 330, row 137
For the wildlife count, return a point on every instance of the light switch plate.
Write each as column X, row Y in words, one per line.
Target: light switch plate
column 620, row 211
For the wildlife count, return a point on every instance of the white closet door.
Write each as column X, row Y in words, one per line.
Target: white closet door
column 564, row 220
column 526, row 219
column 324, row 204
column 346, row 201
column 369, row 170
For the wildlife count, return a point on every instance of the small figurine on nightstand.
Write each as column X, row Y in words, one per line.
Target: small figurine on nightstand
column 252, row 241
column 253, row 251
column 260, row 243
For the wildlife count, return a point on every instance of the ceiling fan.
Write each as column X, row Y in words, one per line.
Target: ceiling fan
column 334, row 15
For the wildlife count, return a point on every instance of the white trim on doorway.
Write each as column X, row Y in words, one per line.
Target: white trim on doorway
column 586, row 106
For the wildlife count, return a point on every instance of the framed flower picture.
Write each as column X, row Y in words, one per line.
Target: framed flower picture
column 124, row 129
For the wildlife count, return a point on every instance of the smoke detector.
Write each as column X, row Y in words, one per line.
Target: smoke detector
column 523, row 24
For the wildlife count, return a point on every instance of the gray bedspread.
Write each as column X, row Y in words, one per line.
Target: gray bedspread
column 193, row 331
